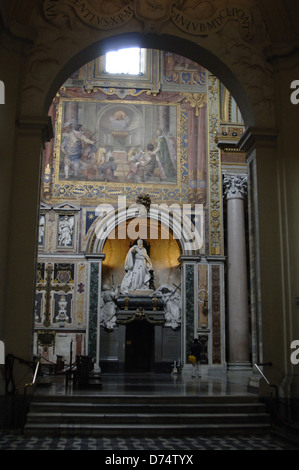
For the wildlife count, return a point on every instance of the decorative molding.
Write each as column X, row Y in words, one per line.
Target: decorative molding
column 196, row 100
column 90, row 15
column 154, row 14
column 140, row 315
column 214, row 164
column 189, row 259
column 215, row 22
column 95, row 257
column 45, row 207
column 120, row 92
column 67, row 207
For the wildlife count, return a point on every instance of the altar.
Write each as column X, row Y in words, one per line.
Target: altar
column 142, row 338
column 140, row 342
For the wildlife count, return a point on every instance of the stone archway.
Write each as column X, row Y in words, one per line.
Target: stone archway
column 179, row 230
column 49, row 63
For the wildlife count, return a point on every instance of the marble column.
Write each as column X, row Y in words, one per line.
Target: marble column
column 189, row 303
column 94, row 301
column 238, row 322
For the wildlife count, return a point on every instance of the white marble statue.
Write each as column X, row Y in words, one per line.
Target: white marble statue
column 62, row 305
column 41, row 231
column 108, row 307
column 65, row 234
column 137, row 266
column 172, row 304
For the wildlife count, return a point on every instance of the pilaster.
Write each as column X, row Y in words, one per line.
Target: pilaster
column 30, row 134
column 269, row 317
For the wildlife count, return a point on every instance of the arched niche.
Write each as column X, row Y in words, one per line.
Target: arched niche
column 162, row 222
column 163, row 251
column 167, row 236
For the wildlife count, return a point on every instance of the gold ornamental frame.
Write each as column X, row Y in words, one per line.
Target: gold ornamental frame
column 93, row 191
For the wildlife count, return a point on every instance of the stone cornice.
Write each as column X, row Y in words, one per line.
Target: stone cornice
column 254, row 137
column 36, row 124
column 95, row 256
column 184, row 258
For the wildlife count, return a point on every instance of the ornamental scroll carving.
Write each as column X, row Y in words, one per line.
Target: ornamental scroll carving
column 235, row 186
column 200, row 20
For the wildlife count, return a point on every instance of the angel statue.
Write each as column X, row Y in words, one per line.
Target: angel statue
column 172, row 304
column 108, row 307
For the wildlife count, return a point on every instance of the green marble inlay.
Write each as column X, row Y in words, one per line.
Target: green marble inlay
column 189, row 306
column 93, row 309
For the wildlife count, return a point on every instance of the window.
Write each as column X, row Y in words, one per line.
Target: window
column 130, row 61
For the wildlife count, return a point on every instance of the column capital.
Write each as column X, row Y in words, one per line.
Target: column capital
column 235, row 186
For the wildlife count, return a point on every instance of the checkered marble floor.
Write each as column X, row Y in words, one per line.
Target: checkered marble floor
column 194, row 443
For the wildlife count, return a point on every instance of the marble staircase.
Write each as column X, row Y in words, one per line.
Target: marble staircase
column 144, row 415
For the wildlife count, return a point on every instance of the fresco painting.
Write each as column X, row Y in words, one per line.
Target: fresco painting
column 118, row 142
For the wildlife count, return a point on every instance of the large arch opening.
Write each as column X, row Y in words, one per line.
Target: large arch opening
column 170, row 43
column 257, row 66
column 70, row 200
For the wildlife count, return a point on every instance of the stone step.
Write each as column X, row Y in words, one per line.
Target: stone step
column 160, row 418
column 98, row 414
column 69, row 407
column 143, row 430
column 144, row 399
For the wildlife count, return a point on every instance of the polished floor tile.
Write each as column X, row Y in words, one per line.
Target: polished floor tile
column 158, row 384
column 158, row 444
